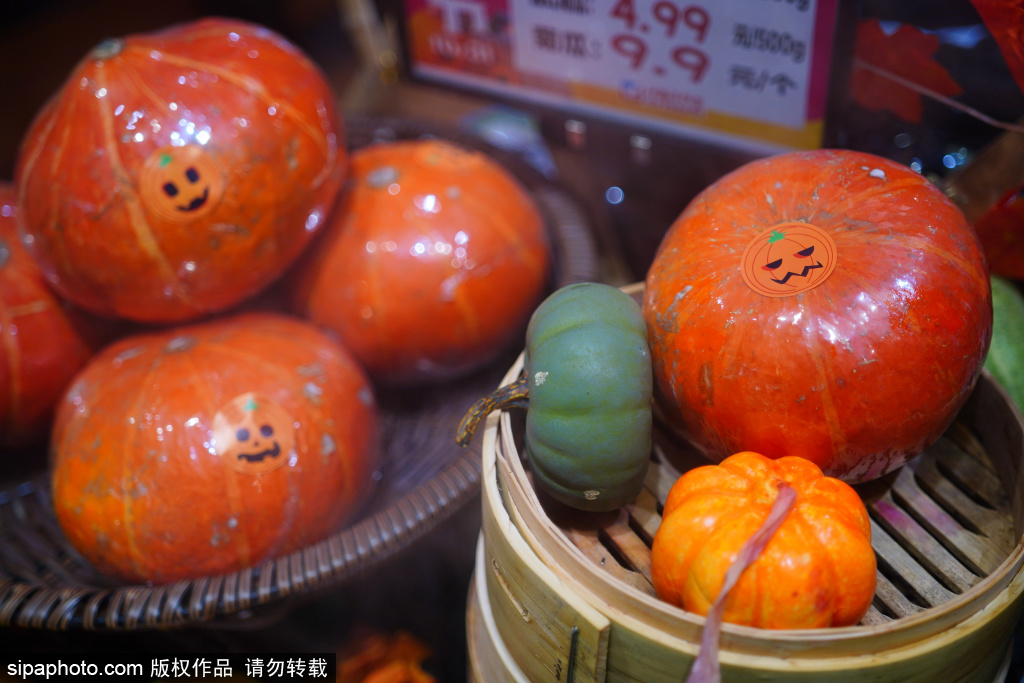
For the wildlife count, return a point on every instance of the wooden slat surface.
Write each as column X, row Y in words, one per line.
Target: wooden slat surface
column 977, row 518
column 914, row 580
column 622, row 536
column 893, row 599
column 978, row 551
column 922, row 546
column 939, row 525
column 970, row 473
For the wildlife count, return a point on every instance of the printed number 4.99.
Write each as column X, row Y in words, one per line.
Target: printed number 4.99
column 669, row 15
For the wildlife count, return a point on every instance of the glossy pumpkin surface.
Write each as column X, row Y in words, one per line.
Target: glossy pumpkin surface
column 588, row 372
column 41, row 347
column 208, row 448
column 176, row 173
column 431, row 264
column 830, row 304
column 817, row 570
column 1001, row 231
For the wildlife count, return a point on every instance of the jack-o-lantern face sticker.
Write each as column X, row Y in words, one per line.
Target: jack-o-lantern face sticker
column 787, row 259
column 253, row 434
column 181, row 184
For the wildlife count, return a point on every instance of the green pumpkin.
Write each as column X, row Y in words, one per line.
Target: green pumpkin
column 1005, row 358
column 588, row 381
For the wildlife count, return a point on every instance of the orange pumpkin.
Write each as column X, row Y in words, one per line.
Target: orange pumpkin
column 42, row 347
column 817, row 570
column 432, row 262
column 208, row 448
column 176, row 173
column 1001, row 231
column 373, row 657
column 828, row 304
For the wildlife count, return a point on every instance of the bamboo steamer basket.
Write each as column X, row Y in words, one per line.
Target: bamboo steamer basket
column 489, row 659
column 567, row 596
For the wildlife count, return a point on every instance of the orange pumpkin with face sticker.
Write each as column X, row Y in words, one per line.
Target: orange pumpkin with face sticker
column 431, row 264
column 177, row 173
column 831, row 304
column 208, row 448
column 42, row 345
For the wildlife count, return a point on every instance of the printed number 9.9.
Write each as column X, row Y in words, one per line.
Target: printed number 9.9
column 686, row 58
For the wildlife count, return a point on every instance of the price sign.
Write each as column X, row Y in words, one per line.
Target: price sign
column 746, row 70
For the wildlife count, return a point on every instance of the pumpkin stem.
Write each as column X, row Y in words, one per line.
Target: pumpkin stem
column 705, row 667
column 111, row 47
column 515, row 395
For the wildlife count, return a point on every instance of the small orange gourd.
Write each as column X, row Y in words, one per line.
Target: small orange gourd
column 817, row 570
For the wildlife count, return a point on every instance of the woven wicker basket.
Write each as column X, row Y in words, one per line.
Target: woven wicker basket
column 563, row 596
column 426, row 477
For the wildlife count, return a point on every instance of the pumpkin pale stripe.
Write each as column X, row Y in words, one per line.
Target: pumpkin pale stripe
column 136, row 217
column 236, row 501
column 252, row 86
column 130, row 465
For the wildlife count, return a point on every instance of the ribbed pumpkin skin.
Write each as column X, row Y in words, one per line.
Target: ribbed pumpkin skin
column 40, row 347
column 90, row 181
column 818, row 569
column 588, row 427
column 141, row 486
column 858, row 374
column 431, row 264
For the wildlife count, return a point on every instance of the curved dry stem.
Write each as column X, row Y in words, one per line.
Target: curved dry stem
column 515, row 395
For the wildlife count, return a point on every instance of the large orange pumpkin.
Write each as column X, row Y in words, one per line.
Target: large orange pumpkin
column 432, row 262
column 41, row 349
column 210, row 447
column 176, row 173
column 818, row 569
column 830, row 304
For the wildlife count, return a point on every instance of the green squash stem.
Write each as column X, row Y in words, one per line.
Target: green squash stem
column 515, row 395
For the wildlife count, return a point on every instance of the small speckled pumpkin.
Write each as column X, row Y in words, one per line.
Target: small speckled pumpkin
column 588, row 368
column 432, row 262
column 209, row 448
column 587, row 388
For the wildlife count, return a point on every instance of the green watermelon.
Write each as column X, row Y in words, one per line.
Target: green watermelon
column 1006, row 354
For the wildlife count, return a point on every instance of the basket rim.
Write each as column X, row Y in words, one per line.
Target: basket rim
column 354, row 549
